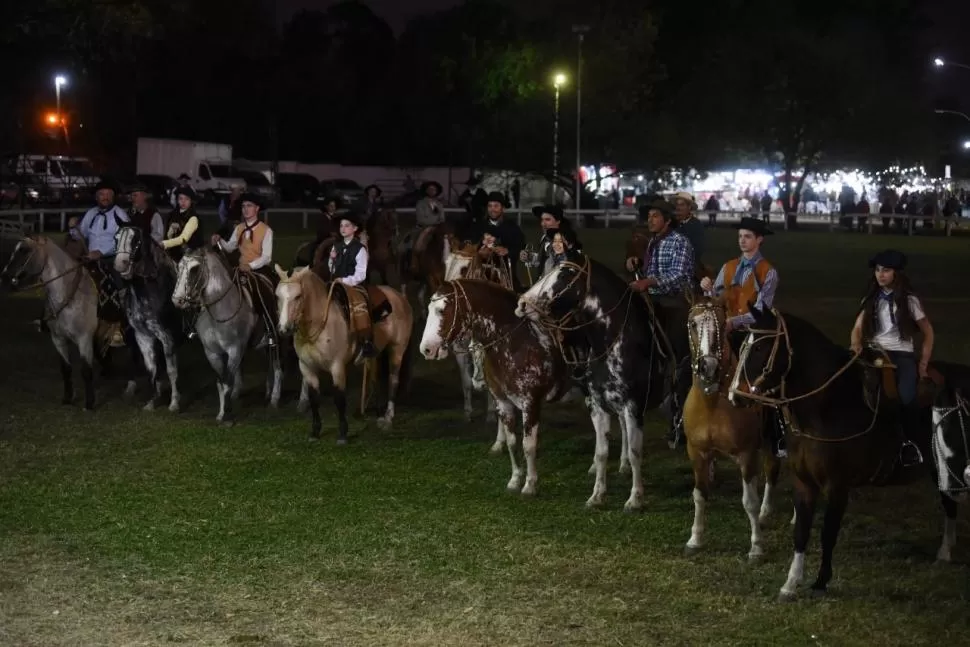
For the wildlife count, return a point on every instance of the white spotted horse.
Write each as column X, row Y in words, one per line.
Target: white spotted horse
column 522, row 365
column 608, row 328
column 842, row 435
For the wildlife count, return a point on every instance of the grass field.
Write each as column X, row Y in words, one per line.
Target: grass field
column 121, row 527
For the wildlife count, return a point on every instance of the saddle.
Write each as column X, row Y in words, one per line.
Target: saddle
column 362, row 306
column 879, row 380
column 260, row 290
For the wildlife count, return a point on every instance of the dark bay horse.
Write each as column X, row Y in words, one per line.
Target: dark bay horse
column 713, row 426
column 522, row 366
column 425, row 266
column 150, row 277
column 607, row 327
column 840, row 435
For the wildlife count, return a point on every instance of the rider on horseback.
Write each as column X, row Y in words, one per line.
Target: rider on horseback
column 507, row 233
column 668, row 273
column 99, row 228
column 888, row 320
column 552, row 222
column 348, row 265
column 748, row 279
column 183, row 233
column 327, row 228
column 143, row 215
column 254, row 240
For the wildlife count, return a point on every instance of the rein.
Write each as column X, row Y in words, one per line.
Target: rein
column 962, row 409
column 313, row 334
column 199, row 289
column 72, row 291
column 450, row 337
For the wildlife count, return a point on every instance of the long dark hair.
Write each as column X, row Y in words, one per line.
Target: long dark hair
column 902, row 290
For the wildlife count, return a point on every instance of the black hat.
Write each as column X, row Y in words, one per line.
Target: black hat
column 758, row 226
column 106, row 184
column 184, row 176
column 331, row 198
column 660, row 205
column 186, row 191
column 351, row 218
column 497, row 196
column 553, row 210
column 372, row 186
column 138, row 187
column 251, row 197
column 889, row 258
column 424, row 187
column 567, row 234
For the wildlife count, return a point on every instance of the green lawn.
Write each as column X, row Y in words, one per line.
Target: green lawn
column 121, row 527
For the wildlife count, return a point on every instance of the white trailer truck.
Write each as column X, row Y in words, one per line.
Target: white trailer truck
column 208, row 165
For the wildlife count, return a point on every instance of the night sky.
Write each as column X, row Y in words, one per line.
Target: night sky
column 396, row 12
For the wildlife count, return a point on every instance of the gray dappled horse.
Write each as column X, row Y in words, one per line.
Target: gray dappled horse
column 227, row 324
column 150, row 277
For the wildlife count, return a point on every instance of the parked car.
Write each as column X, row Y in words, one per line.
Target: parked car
column 36, row 192
column 347, row 191
column 257, row 183
column 297, row 188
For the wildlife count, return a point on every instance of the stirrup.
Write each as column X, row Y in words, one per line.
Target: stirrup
column 910, row 455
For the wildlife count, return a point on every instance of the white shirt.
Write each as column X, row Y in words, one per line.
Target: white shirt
column 887, row 333
column 360, row 268
column 264, row 259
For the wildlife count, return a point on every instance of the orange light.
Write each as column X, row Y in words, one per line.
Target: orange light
column 52, row 119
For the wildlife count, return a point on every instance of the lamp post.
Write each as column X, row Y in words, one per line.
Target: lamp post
column 60, row 81
column 939, row 62
column 952, row 112
column 558, row 81
column 580, row 31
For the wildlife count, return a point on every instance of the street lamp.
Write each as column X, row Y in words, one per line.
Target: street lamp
column 59, row 82
column 966, row 145
column 939, row 62
column 952, row 112
column 580, row 31
column 558, row 81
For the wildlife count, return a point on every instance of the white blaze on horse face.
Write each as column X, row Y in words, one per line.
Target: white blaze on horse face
column 454, row 266
column 288, row 294
column 432, row 341
column 536, row 297
column 739, row 369
column 180, row 296
column 122, row 262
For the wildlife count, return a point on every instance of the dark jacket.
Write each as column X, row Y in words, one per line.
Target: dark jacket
column 346, row 262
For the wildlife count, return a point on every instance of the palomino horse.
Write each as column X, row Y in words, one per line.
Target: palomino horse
column 608, row 327
column 463, row 262
column 227, row 323
column 523, row 368
column 425, row 266
column 72, row 299
column 324, row 341
column 150, row 276
column 712, row 425
column 838, row 438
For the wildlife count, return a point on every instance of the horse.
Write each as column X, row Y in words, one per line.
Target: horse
column 463, row 262
column 324, row 341
column 150, row 276
column 712, row 425
column 839, row 435
column 425, row 266
column 609, row 326
column 523, row 368
column 72, row 298
column 227, row 324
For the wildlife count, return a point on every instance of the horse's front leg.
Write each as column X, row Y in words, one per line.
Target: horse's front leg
column 171, row 366
column 274, row 375
column 772, row 466
column 64, row 353
column 506, row 419
column 85, row 349
column 146, row 344
column 749, row 499
column 530, row 444
column 837, row 500
column 631, row 425
column 217, row 360
column 700, row 462
column 311, row 385
column 464, row 371
column 304, row 402
column 949, row 528
column 395, row 362
column 806, row 498
column 339, row 374
column 601, row 426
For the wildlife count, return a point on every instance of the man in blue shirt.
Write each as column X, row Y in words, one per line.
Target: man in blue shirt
column 668, row 274
column 98, row 227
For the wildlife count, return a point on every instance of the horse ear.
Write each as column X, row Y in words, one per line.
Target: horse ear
column 281, row 272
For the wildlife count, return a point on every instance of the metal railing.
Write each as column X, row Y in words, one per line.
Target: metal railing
column 41, row 220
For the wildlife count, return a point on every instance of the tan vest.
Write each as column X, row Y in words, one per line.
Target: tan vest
column 250, row 250
column 738, row 296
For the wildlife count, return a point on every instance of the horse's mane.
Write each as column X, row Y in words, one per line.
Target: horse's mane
column 316, row 293
column 492, row 293
column 804, row 333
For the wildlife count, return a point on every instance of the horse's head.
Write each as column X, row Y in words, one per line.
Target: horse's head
column 950, row 440
column 446, row 322
column 26, row 263
column 290, row 298
column 705, row 327
column 559, row 291
column 190, row 280
column 129, row 250
column 764, row 360
column 460, row 259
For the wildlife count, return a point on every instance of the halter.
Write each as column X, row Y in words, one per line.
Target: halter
column 195, row 291
column 313, row 333
column 55, row 312
column 451, row 336
column 712, row 314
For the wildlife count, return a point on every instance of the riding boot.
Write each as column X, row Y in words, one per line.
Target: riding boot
column 909, row 453
column 365, row 347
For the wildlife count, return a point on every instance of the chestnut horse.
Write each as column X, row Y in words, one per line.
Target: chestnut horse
column 324, row 341
column 523, row 367
column 712, row 425
column 427, row 265
column 839, row 435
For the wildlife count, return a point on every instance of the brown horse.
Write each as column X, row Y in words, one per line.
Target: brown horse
column 324, row 341
column 712, row 425
column 522, row 364
column 425, row 264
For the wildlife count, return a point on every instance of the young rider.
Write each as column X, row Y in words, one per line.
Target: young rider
column 348, row 265
column 889, row 318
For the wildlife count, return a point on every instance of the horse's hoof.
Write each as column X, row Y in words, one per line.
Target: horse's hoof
column 384, row 423
column 174, row 407
column 785, row 596
column 228, row 423
column 595, row 502
column 690, row 551
column 633, row 507
column 496, row 448
column 513, row 486
column 529, row 490
column 624, row 468
column 303, row 406
column 130, row 390
column 820, row 592
column 313, row 439
column 149, row 407
column 341, row 442
column 468, row 416
column 755, row 558
column 273, row 404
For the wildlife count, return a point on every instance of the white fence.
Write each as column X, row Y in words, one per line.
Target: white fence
column 40, row 220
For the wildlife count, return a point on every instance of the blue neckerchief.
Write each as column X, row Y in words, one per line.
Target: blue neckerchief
column 888, row 298
column 746, row 263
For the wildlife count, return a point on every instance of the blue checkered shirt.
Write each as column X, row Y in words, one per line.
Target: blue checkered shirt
column 671, row 261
